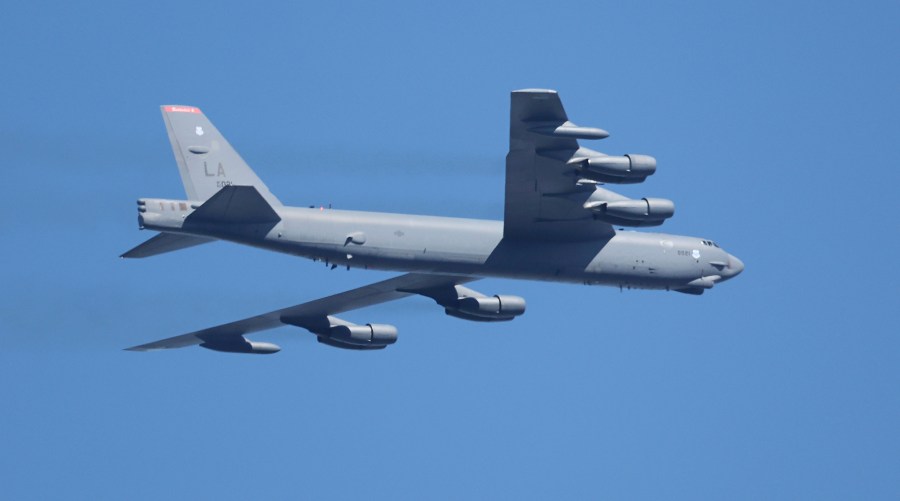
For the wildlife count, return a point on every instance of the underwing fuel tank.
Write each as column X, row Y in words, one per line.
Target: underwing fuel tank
column 242, row 346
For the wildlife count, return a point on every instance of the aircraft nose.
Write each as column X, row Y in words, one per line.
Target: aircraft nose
column 735, row 266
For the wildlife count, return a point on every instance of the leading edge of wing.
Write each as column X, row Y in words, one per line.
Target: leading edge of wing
column 368, row 295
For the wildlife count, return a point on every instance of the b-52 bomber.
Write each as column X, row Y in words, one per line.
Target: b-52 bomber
column 559, row 224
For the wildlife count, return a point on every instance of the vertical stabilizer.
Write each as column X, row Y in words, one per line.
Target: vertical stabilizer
column 206, row 161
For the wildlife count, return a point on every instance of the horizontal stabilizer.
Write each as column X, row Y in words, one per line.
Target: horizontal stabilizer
column 235, row 204
column 165, row 242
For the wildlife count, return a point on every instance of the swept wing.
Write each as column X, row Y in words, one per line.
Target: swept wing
column 315, row 316
column 553, row 185
column 543, row 197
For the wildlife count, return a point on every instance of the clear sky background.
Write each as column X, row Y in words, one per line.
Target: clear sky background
column 776, row 129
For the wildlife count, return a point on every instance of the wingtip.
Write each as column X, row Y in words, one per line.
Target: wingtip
column 139, row 347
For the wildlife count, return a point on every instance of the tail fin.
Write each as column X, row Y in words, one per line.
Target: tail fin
column 206, row 161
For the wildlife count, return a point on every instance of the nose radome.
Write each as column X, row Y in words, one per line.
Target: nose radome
column 735, row 265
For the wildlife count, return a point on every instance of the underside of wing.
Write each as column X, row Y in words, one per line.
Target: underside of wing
column 543, row 199
column 318, row 317
column 552, row 183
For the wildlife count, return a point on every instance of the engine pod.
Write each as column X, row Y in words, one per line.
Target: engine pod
column 492, row 308
column 640, row 210
column 625, row 169
column 364, row 335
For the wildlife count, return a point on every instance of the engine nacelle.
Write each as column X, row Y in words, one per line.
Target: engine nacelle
column 364, row 335
column 643, row 212
column 347, row 346
column 626, row 169
column 639, row 210
column 488, row 309
column 242, row 346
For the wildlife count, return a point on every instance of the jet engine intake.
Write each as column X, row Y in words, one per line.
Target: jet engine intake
column 488, row 309
column 364, row 335
column 627, row 169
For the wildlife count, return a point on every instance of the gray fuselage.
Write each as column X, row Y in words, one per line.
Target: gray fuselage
column 472, row 247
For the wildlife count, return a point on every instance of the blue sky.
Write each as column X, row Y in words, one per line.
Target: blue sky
column 776, row 130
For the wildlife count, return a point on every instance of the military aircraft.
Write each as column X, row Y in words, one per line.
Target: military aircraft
column 559, row 225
